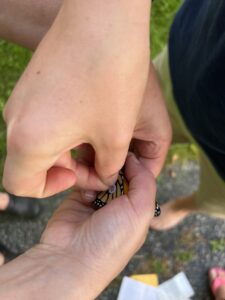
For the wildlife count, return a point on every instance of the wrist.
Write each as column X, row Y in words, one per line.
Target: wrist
column 112, row 23
column 44, row 273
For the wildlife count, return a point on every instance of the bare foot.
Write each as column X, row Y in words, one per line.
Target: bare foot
column 217, row 282
column 4, row 201
column 173, row 212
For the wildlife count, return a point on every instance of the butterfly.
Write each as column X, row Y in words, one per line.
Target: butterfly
column 118, row 189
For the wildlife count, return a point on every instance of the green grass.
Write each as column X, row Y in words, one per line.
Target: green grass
column 183, row 256
column 162, row 15
column 217, row 245
column 13, row 59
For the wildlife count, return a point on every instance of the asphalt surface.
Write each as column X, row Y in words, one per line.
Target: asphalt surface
column 194, row 246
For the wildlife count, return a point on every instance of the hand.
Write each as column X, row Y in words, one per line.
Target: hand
column 82, row 250
column 84, row 85
column 153, row 133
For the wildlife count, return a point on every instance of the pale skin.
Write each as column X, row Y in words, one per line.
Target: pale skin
column 67, row 100
column 31, row 166
column 26, row 23
column 77, row 256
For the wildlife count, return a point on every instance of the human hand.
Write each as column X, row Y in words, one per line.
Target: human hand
column 84, row 85
column 82, row 250
column 153, row 133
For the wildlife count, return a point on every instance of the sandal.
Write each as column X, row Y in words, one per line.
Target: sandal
column 218, row 280
column 23, row 207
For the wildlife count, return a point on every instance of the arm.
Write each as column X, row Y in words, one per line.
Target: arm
column 84, row 84
column 25, row 22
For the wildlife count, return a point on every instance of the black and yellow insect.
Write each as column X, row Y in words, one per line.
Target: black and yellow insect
column 118, row 189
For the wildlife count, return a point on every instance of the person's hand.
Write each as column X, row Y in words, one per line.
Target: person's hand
column 84, row 85
column 82, row 250
column 153, row 133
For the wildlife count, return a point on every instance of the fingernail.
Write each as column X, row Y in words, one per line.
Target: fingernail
column 90, row 195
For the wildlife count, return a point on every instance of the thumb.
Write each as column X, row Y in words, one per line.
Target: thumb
column 142, row 189
column 129, row 214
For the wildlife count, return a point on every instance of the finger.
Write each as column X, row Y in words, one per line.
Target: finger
column 40, row 185
column 57, row 180
column 34, row 176
column 132, row 212
column 88, row 179
column 142, row 188
column 151, row 154
column 86, row 176
column 108, row 162
column 39, row 177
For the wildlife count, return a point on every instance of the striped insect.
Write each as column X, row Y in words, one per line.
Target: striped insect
column 118, row 189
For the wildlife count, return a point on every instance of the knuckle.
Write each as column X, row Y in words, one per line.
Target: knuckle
column 119, row 141
column 150, row 149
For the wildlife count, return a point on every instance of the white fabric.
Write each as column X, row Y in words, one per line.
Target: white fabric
column 134, row 290
column 177, row 288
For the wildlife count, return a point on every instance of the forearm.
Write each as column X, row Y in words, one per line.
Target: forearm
column 111, row 26
column 25, row 22
column 114, row 16
column 41, row 273
column 19, row 279
column 94, row 49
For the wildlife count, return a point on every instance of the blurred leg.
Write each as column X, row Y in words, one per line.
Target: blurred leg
column 209, row 197
column 175, row 210
column 180, row 133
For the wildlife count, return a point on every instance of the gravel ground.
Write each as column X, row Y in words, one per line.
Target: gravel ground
column 194, row 246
